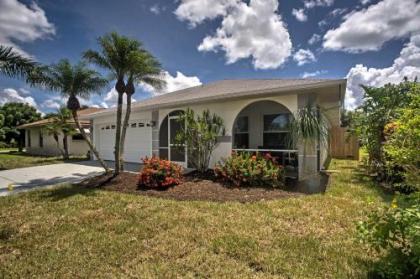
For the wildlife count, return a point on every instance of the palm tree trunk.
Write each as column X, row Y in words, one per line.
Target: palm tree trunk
column 124, row 130
column 66, row 147
column 86, row 138
column 117, row 152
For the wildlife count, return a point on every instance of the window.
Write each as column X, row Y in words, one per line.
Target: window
column 77, row 137
column 29, row 138
column 141, row 124
column 133, row 125
column 41, row 139
column 276, row 130
column 241, row 135
column 112, row 126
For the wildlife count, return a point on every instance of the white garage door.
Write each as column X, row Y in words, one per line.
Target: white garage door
column 138, row 142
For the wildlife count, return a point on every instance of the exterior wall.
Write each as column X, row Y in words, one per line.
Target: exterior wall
column 76, row 147
column 229, row 110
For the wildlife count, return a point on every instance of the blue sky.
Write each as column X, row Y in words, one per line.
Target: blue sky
column 199, row 41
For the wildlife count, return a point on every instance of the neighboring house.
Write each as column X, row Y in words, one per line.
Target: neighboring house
column 255, row 114
column 39, row 142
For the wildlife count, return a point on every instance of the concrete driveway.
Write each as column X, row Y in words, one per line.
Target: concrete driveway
column 23, row 179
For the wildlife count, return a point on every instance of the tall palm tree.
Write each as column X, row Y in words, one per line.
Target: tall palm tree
column 13, row 64
column 145, row 69
column 123, row 56
column 74, row 82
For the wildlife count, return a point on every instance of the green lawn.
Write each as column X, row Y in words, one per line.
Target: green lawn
column 72, row 232
column 14, row 159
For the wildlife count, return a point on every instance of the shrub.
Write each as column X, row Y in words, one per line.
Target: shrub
column 395, row 233
column 158, row 173
column 245, row 169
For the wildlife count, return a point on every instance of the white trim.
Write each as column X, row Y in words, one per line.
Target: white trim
column 266, row 150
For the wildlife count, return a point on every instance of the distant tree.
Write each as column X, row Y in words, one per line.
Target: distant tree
column 74, row 82
column 60, row 125
column 16, row 114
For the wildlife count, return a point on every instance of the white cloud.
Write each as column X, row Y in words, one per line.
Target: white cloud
column 407, row 64
column 300, row 15
column 156, row 9
column 51, row 104
column 364, row 2
column 314, row 39
column 313, row 74
column 304, row 56
column 9, row 95
column 173, row 83
column 252, row 30
column 338, row 11
column 368, row 29
column 22, row 23
column 309, row 4
column 110, row 100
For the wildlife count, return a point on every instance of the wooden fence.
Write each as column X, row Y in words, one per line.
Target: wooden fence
column 343, row 145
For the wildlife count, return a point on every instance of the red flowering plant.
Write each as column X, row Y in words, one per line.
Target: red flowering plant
column 247, row 169
column 159, row 173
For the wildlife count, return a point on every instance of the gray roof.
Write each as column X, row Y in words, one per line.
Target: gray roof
column 227, row 89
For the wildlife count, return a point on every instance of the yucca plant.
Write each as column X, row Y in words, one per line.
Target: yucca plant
column 308, row 127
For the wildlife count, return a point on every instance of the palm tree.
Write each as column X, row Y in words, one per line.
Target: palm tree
column 60, row 125
column 127, row 62
column 13, row 64
column 145, row 69
column 74, row 82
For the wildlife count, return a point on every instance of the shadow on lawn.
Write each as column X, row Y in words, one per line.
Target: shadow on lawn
column 65, row 192
column 360, row 175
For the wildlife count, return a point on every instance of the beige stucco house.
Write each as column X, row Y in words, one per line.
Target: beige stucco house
column 39, row 142
column 255, row 113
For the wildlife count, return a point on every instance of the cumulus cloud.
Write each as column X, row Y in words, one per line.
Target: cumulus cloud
column 173, row 83
column 9, row 95
column 314, row 39
column 247, row 30
column 22, row 23
column 300, row 15
column 407, row 64
column 365, row 2
column 309, row 4
column 51, row 104
column 304, row 56
column 369, row 28
column 313, row 74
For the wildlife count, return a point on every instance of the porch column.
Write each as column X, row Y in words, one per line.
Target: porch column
column 155, row 133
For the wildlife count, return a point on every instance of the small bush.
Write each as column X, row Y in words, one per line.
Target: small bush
column 395, row 234
column 158, row 173
column 245, row 169
column 404, row 188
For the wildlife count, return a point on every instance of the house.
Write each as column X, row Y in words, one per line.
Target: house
column 255, row 114
column 39, row 142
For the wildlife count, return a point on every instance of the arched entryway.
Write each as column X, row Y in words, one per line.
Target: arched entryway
column 263, row 126
column 168, row 149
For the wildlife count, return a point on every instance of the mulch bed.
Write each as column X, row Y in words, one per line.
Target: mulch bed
column 193, row 188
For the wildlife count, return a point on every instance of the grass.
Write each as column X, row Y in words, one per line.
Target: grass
column 13, row 159
column 72, row 232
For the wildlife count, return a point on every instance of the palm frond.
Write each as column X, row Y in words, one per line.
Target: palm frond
column 13, row 64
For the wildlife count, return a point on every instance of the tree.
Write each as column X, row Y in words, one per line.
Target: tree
column 380, row 106
column 14, row 115
column 60, row 125
column 127, row 62
column 200, row 135
column 74, row 82
column 13, row 64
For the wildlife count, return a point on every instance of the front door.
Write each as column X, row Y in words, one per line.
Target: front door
column 176, row 152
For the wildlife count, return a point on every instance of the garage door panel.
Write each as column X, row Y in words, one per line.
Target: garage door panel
column 138, row 142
